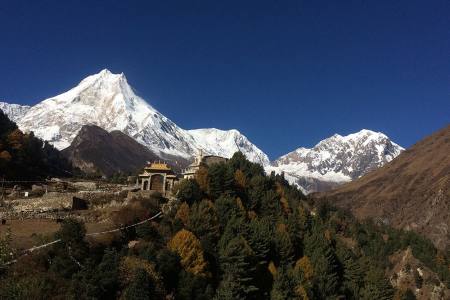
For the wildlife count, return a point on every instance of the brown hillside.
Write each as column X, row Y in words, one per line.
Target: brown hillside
column 96, row 150
column 411, row 192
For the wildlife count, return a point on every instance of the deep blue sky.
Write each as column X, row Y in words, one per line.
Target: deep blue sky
column 285, row 73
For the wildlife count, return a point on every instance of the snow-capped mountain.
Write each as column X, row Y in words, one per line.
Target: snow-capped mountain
column 230, row 141
column 336, row 160
column 14, row 111
column 107, row 100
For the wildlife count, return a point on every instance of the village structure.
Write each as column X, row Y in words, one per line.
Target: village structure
column 60, row 198
column 160, row 177
column 157, row 176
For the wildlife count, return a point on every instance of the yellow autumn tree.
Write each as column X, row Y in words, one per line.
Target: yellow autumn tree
column 240, row 178
column 285, row 205
column 130, row 264
column 240, row 205
column 304, row 266
column 272, row 269
column 183, row 213
column 16, row 139
column 188, row 247
column 5, row 155
column 201, row 176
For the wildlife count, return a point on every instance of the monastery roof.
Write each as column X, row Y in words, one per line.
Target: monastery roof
column 158, row 166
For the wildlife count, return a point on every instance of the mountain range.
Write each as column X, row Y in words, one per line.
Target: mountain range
column 336, row 160
column 411, row 192
column 107, row 100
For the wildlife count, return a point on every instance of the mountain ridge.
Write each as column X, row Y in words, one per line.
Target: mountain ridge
column 108, row 101
column 411, row 192
column 336, row 160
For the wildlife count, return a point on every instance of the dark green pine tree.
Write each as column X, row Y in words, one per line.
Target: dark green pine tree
column 283, row 247
column 227, row 209
column 188, row 190
column 270, row 205
column 376, row 285
column 283, row 286
column 228, row 289
column 260, row 236
column 235, row 227
column 236, row 264
column 260, row 239
column 97, row 282
column 228, row 182
column 318, row 249
column 204, row 222
column 258, row 187
column 351, row 272
column 141, row 287
column 216, row 174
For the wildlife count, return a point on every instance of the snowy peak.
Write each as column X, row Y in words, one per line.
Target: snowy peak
column 14, row 111
column 226, row 142
column 337, row 159
column 108, row 101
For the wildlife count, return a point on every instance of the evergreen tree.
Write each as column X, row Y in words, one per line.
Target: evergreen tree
column 260, row 236
column 284, row 248
column 204, row 223
column 324, row 262
column 236, row 263
column 140, row 288
column 229, row 289
column 216, row 174
column 189, row 191
column 226, row 208
column 376, row 285
column 283, row 286
column 352, row 274
column 228, row 182
column 169, row 266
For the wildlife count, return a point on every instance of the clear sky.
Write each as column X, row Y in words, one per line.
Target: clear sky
column 284, row 73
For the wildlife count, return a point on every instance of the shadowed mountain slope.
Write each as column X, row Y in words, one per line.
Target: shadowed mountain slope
column 96, row 150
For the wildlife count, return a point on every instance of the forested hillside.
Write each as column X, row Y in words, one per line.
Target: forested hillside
column 233, row 234
column 26, row 157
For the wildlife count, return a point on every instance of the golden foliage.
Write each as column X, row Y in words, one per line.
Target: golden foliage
column 188, row 247
column 5, row 155
column 281, row 228
column 301, row 292
column 440, row 260
column 272, row 269
column 183, row 213
column 240, row 178
column 252, row 215
column 285, row 205
column 130, row 264
column 240, row 204
column 304, row 265
column 279, row 189
column 201, row 176
column 327, row 235
column 16, row 139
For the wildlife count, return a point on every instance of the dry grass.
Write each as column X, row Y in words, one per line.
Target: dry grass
column 31, row 232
